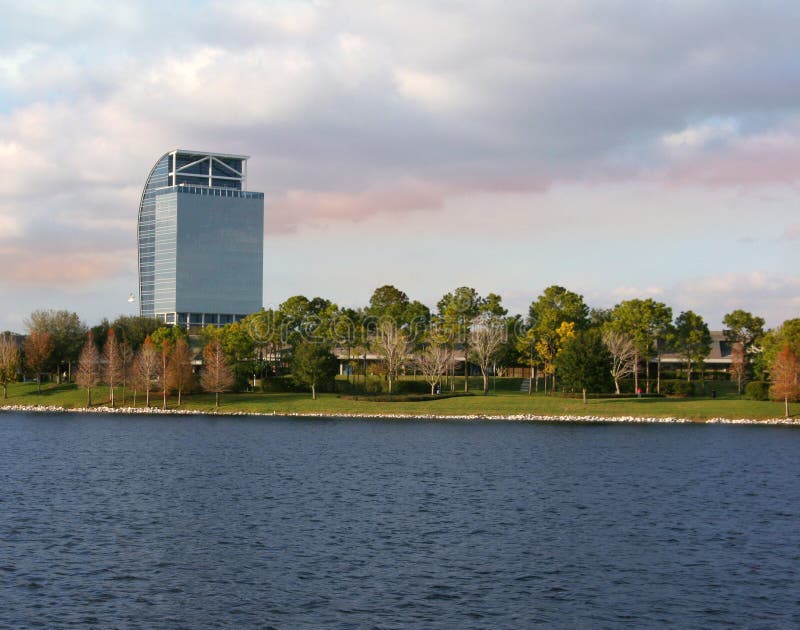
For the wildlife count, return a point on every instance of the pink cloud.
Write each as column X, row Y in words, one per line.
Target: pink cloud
column 25, row 266
column 751, row 161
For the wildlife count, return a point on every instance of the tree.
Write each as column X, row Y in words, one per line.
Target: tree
column 179, row 369
column 162, row 371
column 388, row 302
column 433, row 360
column 126, row 363
column 67, row 332
column 622, row 350
column 216, row 375
column 145, row 368
column 744, row 329
column 554, row 307
column 88, row 374
column 785, row 377
column 134, row 329
column 313, row 364
column 392, row 345
column 9, row 361
column 647, row 323
column 584, row 363
column 692, row 339
column 457, row 310
column 114, row 368
column 788, row 333
column 487, row 335
column 38, row 349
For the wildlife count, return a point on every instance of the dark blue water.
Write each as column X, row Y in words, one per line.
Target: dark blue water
column 202, row 522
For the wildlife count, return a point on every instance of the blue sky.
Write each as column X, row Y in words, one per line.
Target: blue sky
column 621, row 149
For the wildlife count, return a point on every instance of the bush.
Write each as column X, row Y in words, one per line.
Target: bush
column 406, row 397
column 677, row 387
column 757, row 390
column 412, row 387
column 279, row 385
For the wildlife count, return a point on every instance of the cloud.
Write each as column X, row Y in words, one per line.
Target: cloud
column 791, row 233
column 772, row 295
column 351, row 112
column 630, row 292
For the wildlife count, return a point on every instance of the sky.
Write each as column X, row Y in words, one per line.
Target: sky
column 618, row 149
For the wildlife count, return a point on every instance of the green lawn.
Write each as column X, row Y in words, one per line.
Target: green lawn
column 504, row 403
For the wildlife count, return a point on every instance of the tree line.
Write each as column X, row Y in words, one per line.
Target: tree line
column 564, row 343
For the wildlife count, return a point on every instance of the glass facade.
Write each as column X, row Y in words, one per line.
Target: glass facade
column 200, row 239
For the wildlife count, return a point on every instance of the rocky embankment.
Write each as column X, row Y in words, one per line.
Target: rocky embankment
column 517, row 417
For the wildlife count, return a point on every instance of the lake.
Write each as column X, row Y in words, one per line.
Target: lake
column 182, row 521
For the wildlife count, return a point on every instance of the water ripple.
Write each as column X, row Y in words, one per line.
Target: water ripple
column 114, row 521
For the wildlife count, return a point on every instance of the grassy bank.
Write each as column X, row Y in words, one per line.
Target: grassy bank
column 504, row 403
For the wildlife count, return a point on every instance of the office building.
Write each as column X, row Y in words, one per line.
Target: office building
column 200, row 239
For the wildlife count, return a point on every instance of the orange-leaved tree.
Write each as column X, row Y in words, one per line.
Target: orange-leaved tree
column 88, row 374
column 216, row 375
column 785, row 377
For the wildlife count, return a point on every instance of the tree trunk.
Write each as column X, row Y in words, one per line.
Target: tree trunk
column 5, row 390
column 584, row 395
column 786, row 405
column 390, row 382
column 216, row 400
column 147, row 398
column 485, row 375
column 530, row 381
column 647, row 374
column 164, row 403
column 658, row 375
column 38, row 383
column 616, row 385
column 88, row 396
column 688, row 371
column 314, row 391
column 636, row 373
column 179, row 397
column 466, row 370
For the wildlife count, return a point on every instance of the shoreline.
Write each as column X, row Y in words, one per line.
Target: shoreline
column 575, row 419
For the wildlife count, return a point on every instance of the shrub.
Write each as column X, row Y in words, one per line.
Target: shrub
column 757, row 390
column 412, row 387
column 279, row 385
column 677, row 387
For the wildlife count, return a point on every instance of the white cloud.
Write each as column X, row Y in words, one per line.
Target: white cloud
column 699, row 136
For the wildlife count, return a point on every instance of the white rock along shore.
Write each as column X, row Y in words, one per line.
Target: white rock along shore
column 401, row 416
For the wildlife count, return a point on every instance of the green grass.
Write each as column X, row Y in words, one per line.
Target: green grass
column 727, row 405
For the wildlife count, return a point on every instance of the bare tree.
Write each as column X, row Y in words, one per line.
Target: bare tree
column 145, row 368
column 162, row 372
column 433, row 361
column 487, row 335
column 114, row 368
column 392, row 345
column 126, row 363
column 216, row 375
column 785, row 377
column 9, row 362
column 88, row 374
column 38, row 347
column 623, row 355
column 179, row 368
